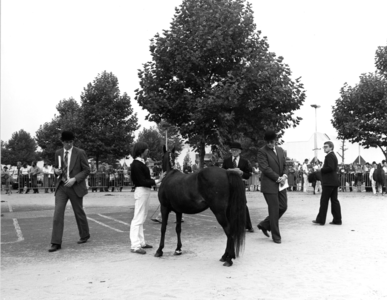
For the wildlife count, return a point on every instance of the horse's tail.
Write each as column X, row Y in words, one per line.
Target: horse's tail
column 236, row 211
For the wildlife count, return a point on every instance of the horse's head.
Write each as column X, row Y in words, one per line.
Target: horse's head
column 168, row 162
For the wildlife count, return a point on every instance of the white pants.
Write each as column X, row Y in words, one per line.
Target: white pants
column 306, row 183
column 141, row 205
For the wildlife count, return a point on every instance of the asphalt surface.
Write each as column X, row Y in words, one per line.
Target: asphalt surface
column 313, row 262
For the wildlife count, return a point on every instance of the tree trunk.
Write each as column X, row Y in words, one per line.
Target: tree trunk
column 202, row 152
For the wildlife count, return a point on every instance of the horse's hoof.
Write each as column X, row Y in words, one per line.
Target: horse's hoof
column 178, row 252
column 227, row 264
column 158, row 254
column 222, row 259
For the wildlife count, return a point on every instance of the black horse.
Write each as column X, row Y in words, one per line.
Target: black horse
column 215, row 188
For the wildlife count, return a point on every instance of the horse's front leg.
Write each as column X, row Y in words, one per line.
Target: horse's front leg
column 164, row 215
column 178, row 232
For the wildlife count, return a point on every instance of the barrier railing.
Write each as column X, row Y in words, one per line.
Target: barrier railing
column 101, row 182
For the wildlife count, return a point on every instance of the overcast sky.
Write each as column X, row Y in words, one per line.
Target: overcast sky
column 50, row 50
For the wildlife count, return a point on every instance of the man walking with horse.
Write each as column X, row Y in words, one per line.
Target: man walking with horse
column 272, row 163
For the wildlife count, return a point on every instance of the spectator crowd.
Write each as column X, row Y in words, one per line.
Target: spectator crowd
column 108, row 178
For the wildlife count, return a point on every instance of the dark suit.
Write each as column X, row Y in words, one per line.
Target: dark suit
column 78, row 169
column 330, row 184
column 272, row 167
column 243, row 165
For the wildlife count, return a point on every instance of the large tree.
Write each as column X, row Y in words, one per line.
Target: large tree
column 212, row 76
column 156, row 140
column 68, row 118
column 108, row 119
column 359, row 115
column 21, row 147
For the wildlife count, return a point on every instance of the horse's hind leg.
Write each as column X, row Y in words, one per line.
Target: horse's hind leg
column 178, row 232
column 164, row 213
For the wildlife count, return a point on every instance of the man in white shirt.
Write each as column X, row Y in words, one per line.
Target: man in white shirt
column 72, row 168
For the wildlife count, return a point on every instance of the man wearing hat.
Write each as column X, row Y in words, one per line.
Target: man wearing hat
column 272, row 163
column 72, row 168
column 241, row 166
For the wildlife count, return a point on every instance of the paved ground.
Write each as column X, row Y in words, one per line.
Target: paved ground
column 313, row 262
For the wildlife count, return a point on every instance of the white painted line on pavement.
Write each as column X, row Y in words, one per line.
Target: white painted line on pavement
column 18, row 233
column 9, row 206
column 118, row 221
column 18, row 230
column 103, row 224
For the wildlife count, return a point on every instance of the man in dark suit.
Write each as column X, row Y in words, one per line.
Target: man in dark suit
column 235, row 163
column 272, row 163
column 330, row 185
column 72, row 168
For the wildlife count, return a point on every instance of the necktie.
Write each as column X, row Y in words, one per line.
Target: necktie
column 275, row 152
column 64, row 173
column 234, row 163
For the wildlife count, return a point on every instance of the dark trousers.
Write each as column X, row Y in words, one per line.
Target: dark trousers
column 63, row 194
column 248, row 220
column 329, row 192
column 277, row 205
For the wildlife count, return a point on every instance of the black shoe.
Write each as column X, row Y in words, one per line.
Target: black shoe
column 317, row 223
column 146, row 246
column 277, row 241
column 83, row 240
column 264, row 231
column 250, row 230
column 54, row 247
column 335, row 223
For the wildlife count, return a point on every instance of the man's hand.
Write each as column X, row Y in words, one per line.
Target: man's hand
column 281, row 180
column 58, row 171
column 236, row 170
column 70, row 182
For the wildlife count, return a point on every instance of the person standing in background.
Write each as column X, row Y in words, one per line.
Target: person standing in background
column 373, row 182
column 330, row 186
column 255, row 177
column 34, row 172
column 25, row 178
column 305, row 173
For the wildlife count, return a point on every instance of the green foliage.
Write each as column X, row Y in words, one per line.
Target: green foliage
column 212, row 76
column 107, row 117
column 48, row 134
column 103, row 124
column 21, row 147
column 156, row 140
column 381, row 60
column 360, row 113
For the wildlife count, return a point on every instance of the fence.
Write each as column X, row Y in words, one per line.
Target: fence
column 349, row 182
column 102, row 182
